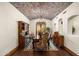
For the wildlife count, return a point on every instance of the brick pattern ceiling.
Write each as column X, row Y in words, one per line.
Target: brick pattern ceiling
column 47, row 10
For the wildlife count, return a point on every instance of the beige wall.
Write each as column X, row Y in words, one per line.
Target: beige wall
column 71, row 41
column 9, row 16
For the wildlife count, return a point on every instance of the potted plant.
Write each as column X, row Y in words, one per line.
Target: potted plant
column 47, row 29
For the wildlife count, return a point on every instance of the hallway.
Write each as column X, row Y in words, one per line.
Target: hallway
column 39, row 29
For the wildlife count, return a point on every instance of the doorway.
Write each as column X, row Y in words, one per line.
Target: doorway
column 40, row 27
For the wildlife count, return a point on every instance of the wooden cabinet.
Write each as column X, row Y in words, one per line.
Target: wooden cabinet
column 61, row 41
column 21, row 39
column 58, row 40
column 21, row 42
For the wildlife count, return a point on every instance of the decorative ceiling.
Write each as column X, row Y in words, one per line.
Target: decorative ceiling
column 47, row 10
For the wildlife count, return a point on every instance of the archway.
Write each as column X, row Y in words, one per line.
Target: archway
column 73, row 25
column 40, row 27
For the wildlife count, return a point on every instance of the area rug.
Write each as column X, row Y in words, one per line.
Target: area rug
column 29, row 48
column 52, row 47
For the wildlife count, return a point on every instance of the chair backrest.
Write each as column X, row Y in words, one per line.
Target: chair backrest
column 44, row 41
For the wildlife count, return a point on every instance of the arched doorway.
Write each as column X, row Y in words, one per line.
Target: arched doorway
column 40, row 27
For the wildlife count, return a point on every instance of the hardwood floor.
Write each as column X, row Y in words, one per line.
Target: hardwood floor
column 44, row 53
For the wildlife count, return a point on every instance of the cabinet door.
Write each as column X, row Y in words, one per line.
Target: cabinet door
column 61, row 41
column 21, row 42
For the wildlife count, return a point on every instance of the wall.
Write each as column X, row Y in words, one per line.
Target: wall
column 34, row 21
column 70, row 41
column 9, row 16
column 54, row 25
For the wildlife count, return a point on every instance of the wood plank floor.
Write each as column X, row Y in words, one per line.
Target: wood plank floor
column 44, row 53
